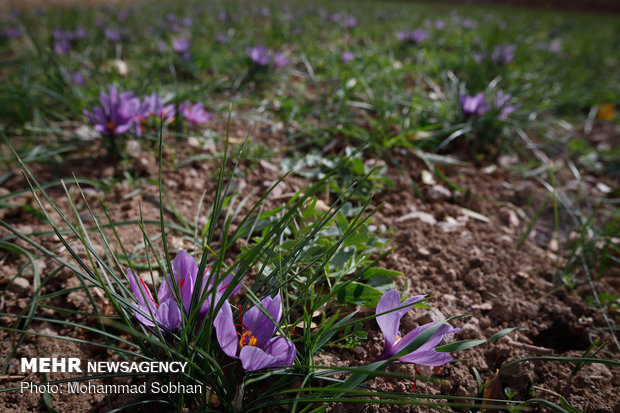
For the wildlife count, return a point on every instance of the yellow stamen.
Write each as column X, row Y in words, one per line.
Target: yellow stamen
column 397, row 339
column 247, row 339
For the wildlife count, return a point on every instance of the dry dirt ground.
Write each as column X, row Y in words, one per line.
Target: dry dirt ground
column 471, row 265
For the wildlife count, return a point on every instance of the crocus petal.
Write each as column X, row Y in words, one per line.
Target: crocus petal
column 427, row 358
column 219, row 292
column 426, row 354
column 282, row 349
column 409, row 337
column 225, row 330
column 254, row 358
column 169, row 316
column 389, row 323
column 185, row 267
column 227, row 281
column 259, row 324
column 278, row 352
column 143, row 316
column 123, row 128
column 144, row 297
column 165, row 293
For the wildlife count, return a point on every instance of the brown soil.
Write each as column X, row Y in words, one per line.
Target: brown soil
column 471, row 265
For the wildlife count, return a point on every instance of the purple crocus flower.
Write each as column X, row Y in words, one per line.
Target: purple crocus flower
column 255, row 346
column 116, row 114
column 504, row 53
column 153, row 105
column 12, row 32
column 62, row 41
column 112, row 35
column 181, row 45
column 416, row 36
column 258, row 54
column 347, row 56
column 474, row 105
column 555, row 46
column 468, row 23
column 349, row 22
column 280, row 60
column 395, row 342
column 80, row 33
column 166, row 314
column 185, row 272
column 502, row 102
column 479, row 57
column 187, row 21
column 222, row 38
column 222, row 15
column 78, row 78
column 502, row 98
column 196, row 113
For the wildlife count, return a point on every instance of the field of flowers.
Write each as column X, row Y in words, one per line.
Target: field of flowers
column 335, row 206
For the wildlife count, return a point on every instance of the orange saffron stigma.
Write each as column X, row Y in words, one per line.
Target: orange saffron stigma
column 111, row 125
column 415, row 378
column 247, row 339
column 148, row 293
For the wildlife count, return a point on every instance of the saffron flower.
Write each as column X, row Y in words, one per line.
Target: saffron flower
column 349, row 22
column 504, row 53
column 185, row 273
column 12, row 32
column 164, row 307
column 501, row 102
column 153, row 105
column 395, row 342
column 474, row 105
column 117, row 112
column 280, row 60
column 347, row 56
column 416, row 36
column 166, row 314
column 258, row 54
column 181, row 45
column 196, row 113
column 255, row 345
column 113, row 35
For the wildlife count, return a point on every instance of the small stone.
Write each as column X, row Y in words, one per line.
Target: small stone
column 603, row 188
column 449, row 298
column 553, row 245
column 194, row 142
column 474, row 278
column 20, row 285
column 422, row 216
column 506, row 161
column 423, row 252
column 133, row 148
column 25, row 229
column 428, row 178
column 360, row 352
column 483, row 307
column 432, row 315
column 269, row 167
column 438, row 193
column 509, row 217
